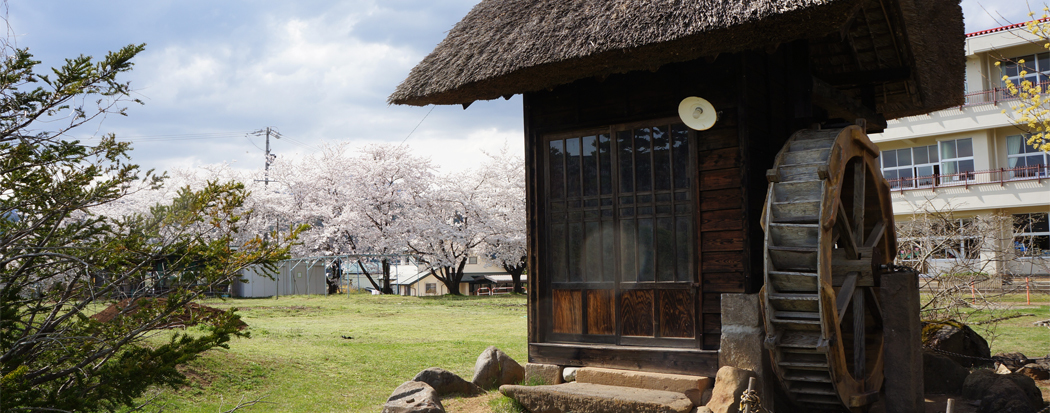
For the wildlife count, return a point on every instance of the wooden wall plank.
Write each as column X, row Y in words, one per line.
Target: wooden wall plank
column 721, row 261
column 722, row 240
column 723, row 282
column 721, row 199
column 722, row 220
column 720, row 179
column 712, row 303
column 719, row 159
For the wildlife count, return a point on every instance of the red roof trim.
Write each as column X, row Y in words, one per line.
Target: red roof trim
column 1003, row 28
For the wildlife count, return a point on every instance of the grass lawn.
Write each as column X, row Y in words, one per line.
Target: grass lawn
column 299, row 361
column 297, row 358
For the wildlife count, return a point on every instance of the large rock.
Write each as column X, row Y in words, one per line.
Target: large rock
column 414, row 397
column 1012, row 361
column 446, row 382
column 1037, row 371
column 942, row 375
column 965, row 346
column 1004, row 393
column 730, row 383
column 495, row 368
column 596, row 398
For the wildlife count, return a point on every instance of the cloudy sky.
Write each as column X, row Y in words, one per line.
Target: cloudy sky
column 316, row 70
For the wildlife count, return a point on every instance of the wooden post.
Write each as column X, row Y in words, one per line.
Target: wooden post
column 750, row 388
column 1027, row 291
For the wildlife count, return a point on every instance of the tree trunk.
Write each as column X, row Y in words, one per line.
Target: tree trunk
column 451, row 276
column 515, row 272
column 386, row 277
column 368, row 276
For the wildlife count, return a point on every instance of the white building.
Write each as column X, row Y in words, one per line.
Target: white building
column 974, row 161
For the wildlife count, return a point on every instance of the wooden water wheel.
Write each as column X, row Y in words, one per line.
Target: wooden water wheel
column 829, row 233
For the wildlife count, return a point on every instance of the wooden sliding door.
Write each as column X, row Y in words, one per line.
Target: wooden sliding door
column 621, row 254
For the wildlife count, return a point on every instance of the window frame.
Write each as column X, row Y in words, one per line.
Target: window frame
column 916, row 180
column 945, row 176
column 1027, row 151
column 1039, row 73
column 1028, row 231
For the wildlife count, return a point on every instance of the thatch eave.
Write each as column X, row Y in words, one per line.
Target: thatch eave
column 502, row 48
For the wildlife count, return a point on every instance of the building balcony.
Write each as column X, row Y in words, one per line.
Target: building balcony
column 1000, row 176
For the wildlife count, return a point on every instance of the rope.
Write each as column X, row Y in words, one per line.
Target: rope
column 749, row 402
column 998, row 359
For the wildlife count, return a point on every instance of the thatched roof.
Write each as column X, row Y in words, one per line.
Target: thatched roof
column 505, row 47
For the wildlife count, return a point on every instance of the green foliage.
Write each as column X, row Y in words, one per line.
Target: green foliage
column 504, row 404
column 59, row 259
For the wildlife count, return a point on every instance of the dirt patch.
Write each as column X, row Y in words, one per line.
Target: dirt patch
column 190, row 315
column 476, row 404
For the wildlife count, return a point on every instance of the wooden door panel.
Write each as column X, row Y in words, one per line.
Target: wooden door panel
column 568, row 311
column 636, row 313
column 601, row 313
column 676, row 313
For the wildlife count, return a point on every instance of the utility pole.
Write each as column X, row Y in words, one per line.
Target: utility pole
column 269, row 157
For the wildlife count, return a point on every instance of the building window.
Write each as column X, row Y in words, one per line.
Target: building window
column 1037, row 68
column 957, row 160
column 956, row 239
column 431, row 289
column 472, row 260
column 1032, row 235
column 1025, row 160
column 620, row 205
column 910, row 167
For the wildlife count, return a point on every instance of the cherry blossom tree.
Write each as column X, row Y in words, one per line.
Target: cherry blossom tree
column 358, row 203
column 502, row 194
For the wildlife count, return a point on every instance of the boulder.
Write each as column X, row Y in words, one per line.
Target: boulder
column 495, row 368
column 1028, row 388
column 942, row 375
column 1003, row 392
column 965, row 346
column 414, row 397
column 446, row 382
column 1037, row 371
column 730, row 383
column 1012, row 361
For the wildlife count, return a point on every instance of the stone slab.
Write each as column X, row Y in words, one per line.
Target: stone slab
column 596, row 398
column 543, row 373
column 692, row 386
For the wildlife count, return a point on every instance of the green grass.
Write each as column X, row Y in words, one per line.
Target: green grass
column 298, row 360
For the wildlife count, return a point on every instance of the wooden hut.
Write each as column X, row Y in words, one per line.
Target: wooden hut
column 637, row 224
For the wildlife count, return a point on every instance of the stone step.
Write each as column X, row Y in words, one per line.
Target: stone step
column 691, row 386
column 587, row 398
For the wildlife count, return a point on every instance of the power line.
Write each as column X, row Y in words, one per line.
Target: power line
column 420, row 123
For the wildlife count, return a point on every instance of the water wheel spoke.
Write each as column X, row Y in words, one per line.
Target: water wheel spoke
column 859, row 359
column 876, row 234
column 860, row 175
column 846, row 293
column 846, row 238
